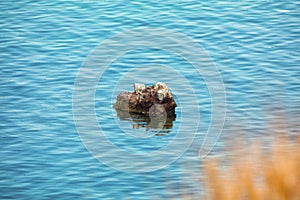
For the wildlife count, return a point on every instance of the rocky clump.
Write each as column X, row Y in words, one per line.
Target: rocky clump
column 145, row 100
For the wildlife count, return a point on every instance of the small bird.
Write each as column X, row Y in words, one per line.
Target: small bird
column 161, row 95
column 162, row 90
column 138, row 89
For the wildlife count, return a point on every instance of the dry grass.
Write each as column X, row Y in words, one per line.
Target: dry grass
column 256, row 173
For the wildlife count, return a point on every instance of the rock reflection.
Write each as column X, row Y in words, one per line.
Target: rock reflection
column 155, row 121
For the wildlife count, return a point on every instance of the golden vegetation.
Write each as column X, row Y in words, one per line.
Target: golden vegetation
column 256, row 172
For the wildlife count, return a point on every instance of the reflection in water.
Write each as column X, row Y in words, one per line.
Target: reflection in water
column 155, row 121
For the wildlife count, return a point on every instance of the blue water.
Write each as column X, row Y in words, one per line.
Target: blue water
column 253, row 44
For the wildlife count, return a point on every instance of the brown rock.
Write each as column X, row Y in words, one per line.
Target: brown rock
column 143, row 98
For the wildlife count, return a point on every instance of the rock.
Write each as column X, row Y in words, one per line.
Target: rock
column 143, row 98
column 151, row 107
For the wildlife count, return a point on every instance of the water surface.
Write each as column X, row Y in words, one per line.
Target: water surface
column 254, row 45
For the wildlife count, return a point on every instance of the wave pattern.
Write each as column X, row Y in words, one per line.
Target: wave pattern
column 255, row 46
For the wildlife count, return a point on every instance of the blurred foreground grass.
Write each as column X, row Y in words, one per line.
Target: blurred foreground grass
column 256, row 172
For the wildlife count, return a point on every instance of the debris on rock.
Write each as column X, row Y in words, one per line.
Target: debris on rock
column 143, row 98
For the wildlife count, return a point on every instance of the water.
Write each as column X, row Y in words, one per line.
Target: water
column 254, row 45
